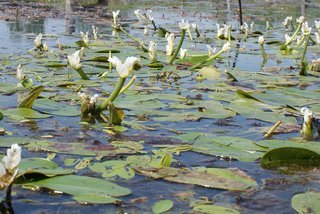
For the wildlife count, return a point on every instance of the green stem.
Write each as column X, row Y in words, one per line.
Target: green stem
column 207, row 60
column 124, row 88
column 183, row 32
column 131, row 37
column 110, row 64
column 189, row 33
column 112, row 96
column 263, row 53
column 301, row 41
column 82, row 74
column 305, row 48
column 294, row 35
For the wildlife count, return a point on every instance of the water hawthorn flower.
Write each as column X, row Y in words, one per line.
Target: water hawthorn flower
column 226, row 47
column 38, row 41
column 317, row 37
column 211, row 50
column 184, row 25
column 74, row 60
column 245, row 27
column 183, row 53
column 84, row 37
column 124, row 69
column 169, row 46
column 261, row 40
column 153, row 51
column 9, row 165
column 305, row 29
column 115, row 15
column 300, row 20
column 307, row 126
column 20, row 73
column 286, row 21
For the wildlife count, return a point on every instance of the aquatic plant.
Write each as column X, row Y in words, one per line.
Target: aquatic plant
column 184, row 26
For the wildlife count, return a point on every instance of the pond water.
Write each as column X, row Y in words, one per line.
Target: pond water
column 202, row 119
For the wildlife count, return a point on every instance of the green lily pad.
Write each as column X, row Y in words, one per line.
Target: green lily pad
column 81, row 186
column 308, row 202
column 290, row 155
column 213, row 209
column 55, row 108
column 162, row 206
column 24, row 113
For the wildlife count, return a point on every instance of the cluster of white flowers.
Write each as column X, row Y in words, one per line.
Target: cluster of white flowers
column 84, row 37
column 169, row 46
column 211, row 50
column 124, row 69
column 287, row 38
column 84, row 97
column 153, row 51
column 11, row 161
column 286, row 21
column 317, row 37
column 245, row 28
column 226, row 47
column 300, row 20
column 144, row 17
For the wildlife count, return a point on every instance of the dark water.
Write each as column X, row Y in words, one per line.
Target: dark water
column 18, row 28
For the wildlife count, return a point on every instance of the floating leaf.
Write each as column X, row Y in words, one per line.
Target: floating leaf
column 213, row 209
column 290, row 155
column 22, row 113
column 55, row 108
column 80, row 186
column 308, row 202
column 116, row 115
column 162, row 206
column 230, row 179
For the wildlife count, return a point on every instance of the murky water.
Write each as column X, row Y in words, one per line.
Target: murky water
column 64, row 20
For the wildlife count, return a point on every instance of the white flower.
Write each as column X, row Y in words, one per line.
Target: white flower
column 82, row 96
column 194, row 26
column 94, row 99
column 251, row 26
column 139, row 15
column 38, row 41
column 45, row 47
column 245, row 27
column 95, row 30
column 84, row 37
column 226, row 31
column 317, row 24
column 115, row 14
column 125, row 68
column 211, row 50
column 145, row 31
column 305, row 29
column 3, row 170
column 20, row 73
column 13, row 157
column 149, row 15
column 153, row 51
column 74, row 60
column 286, row 20
column 184, row 25
column 317, row 37
column 261, row 40
column 219, row 31
column 226, row 47
column 287, row 38
column 299, row 39
column 183, row 53
column 169, row 46
column 300, row 20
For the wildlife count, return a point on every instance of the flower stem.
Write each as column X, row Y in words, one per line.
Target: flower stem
column 82, row 74
column 263, row 53
column 154, row 25
column 294, row 35
column 130, row 36
column 112, row 96
column 303, row 64
column 124, row 88
column 183, row 32
column 213, row 57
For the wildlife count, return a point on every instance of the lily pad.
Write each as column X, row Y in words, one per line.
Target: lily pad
column 162, row 206
column 213, row 209
column 308, row 202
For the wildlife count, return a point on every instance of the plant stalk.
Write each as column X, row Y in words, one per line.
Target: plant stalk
column 183, row 32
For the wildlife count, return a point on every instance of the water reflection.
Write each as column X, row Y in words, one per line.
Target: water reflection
column 69, row 19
